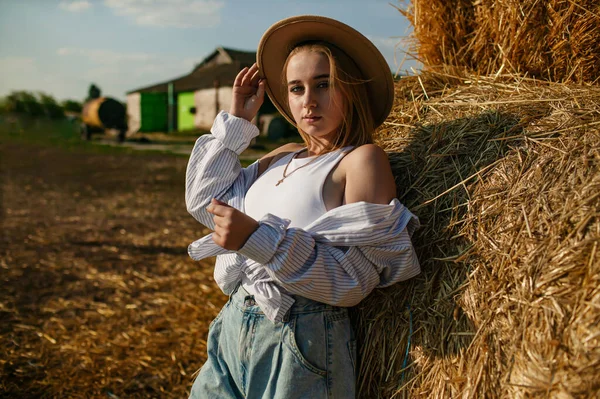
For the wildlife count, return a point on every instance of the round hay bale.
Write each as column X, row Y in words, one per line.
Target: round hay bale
column 505, row 178
column 557, row 40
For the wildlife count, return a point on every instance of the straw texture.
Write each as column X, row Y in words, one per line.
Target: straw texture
column 99, row 297
column 556, row 40
column 504, row 175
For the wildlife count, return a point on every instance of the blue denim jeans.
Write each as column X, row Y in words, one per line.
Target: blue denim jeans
column 310, row 355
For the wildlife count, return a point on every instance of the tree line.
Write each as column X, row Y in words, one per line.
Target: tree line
column 38, row 104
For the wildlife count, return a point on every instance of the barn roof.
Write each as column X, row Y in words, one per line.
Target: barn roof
column 245, row 58
column 206, row 73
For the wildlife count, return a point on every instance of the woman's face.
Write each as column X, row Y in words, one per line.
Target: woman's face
column 316, row 108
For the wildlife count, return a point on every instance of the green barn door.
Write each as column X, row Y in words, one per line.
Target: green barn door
column 185, row 118
column 153, row 112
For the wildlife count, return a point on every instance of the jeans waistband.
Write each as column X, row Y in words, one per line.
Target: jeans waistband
column 246, row 302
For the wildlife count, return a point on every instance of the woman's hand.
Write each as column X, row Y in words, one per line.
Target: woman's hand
column 248, row 93
column 232, row 227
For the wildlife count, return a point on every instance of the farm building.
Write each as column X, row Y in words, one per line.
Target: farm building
column 190, row 101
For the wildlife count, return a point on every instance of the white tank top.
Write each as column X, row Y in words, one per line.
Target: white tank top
column 299, row 197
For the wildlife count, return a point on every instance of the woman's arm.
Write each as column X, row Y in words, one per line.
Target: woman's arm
column 214, row 169
column 337, row 275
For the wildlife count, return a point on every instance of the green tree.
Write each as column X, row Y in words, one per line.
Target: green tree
column 72, row 106
column 93, row 92
column 24, row 102
column 13, row 103
column 3, row 105
column 51, row 108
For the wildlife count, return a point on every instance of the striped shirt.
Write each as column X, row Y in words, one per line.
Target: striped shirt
column 338, row 259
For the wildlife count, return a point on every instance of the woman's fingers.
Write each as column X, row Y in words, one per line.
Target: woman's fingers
column 255, row 78
column 217, row 207
column 247, row 80
column 221, row 213
column 217, row 210
column 260, row 92
column 240, row 76
column 247, row 93
column 221, row 225
column 216, row 237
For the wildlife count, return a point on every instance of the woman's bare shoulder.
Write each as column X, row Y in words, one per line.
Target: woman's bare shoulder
column 367, row 156
column 368, row 175
column 273, row 156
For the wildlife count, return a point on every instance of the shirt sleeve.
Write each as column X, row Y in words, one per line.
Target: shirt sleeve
column 214, row 169
column 339, row 276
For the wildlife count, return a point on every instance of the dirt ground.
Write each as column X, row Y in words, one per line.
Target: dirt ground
column 99, row 297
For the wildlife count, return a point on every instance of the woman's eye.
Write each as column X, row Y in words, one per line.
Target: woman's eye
column 295, row 89
column 322, row 85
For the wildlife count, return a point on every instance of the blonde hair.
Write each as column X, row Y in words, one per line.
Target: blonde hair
column 358, row 125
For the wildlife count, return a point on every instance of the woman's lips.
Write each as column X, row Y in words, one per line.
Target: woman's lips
column 312, row 119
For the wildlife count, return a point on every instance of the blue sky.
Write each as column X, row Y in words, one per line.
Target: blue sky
column 61, row 46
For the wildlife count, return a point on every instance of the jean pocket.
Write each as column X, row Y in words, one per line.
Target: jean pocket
column 307, row 341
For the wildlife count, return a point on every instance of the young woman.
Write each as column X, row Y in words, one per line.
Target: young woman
column 306, row 231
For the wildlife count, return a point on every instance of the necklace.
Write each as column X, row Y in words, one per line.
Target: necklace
column 288, row 164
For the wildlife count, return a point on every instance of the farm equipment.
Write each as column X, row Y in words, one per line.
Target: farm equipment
column 101, row 114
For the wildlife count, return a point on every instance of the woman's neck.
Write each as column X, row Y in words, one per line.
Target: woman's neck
column 316, row 147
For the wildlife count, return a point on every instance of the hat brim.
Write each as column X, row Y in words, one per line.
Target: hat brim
column 277, row 42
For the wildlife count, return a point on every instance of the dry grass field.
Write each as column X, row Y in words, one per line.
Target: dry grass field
column 99, row 297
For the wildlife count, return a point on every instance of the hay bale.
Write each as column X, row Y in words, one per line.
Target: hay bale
column 557, row 40
column 505, row 177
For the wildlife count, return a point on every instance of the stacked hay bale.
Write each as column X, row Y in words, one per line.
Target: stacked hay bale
column 503, row 169
column 505, row 177
column 557, row 40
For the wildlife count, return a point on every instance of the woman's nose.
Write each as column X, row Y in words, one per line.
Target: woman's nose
column 309, row 100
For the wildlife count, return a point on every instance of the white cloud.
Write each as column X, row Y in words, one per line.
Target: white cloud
column 389, row 42
column 164, row 13
column 75, row 6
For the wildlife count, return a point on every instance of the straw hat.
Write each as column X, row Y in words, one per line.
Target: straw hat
column 279, row 40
